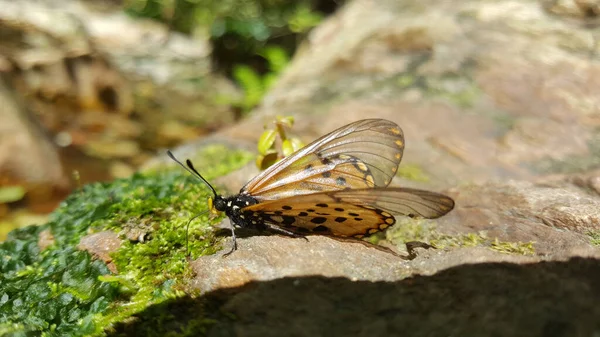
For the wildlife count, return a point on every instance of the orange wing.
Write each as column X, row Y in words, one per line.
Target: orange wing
column 349, row 212
column 359, row 155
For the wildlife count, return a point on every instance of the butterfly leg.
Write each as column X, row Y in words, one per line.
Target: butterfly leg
column 285, row 231
column 234, row 243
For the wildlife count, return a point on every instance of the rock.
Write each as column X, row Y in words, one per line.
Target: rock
column 263, row 258
column 101, row 245
column 46, row 239
column 588, row 180
column 30, row 165
column 556, row 219
column 485, row 299
column 498, row 96
column 95, row 76
column 20, row 135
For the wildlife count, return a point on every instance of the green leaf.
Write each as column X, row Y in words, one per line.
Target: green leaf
column 297, row 144
column 251, row 83
column 303, row 19
column 287, row 121
column 287, row 147
column 99, row 305
column 266, row 141
column 11, row 193
column 264, row 162
column 269, row 80
column 46, row 310
column 276, row 57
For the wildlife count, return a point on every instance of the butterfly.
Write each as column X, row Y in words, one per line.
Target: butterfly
column 336, row 185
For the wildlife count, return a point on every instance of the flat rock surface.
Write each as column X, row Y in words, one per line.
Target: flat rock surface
column 268, row 258
column 556, row 218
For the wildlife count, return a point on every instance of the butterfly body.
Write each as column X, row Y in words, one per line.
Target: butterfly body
column 232, row 207
column 337, row 185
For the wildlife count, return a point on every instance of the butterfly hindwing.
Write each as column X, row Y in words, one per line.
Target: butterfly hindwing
column 398, row 200
column 349, row 212
column 326, row 218
column 363, row 154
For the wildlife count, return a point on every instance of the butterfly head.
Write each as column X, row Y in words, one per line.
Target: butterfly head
column 218, row 204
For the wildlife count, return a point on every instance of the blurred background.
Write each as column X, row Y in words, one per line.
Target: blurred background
column 90, row 90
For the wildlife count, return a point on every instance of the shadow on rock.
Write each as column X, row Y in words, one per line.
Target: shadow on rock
column 490, row 299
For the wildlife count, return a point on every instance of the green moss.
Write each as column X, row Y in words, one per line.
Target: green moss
column 55, row 291
column 407, row 230
column 594, row 237
column 63, row 291
column 412, row 172
column 520, row 248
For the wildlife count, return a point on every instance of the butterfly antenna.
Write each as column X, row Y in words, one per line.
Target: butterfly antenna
column 190, row 168
column 187, row 230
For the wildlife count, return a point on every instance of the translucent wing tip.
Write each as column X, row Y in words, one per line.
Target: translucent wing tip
column 444, row 206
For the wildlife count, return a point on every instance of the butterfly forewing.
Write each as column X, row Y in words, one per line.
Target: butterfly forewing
column 359, row 155
column 339, row 173
column 351, row 212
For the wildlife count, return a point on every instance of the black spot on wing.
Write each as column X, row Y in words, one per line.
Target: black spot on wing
column 288, row 220
column 318, row 220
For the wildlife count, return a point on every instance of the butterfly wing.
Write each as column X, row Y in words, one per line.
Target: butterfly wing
column 362, row 154
column 349, row 212
column 397, row 200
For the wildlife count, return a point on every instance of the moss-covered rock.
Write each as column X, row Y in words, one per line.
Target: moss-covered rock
column 50, row 287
